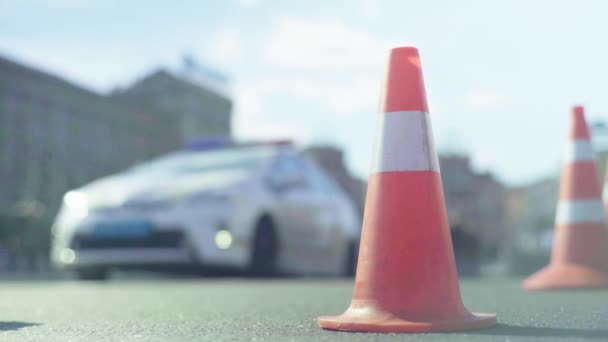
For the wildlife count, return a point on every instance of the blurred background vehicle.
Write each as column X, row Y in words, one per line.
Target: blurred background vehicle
column 87, row 100
column 265, row 208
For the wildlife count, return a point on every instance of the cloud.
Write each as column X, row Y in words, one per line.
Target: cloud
column 332, row 69
column 369, row 8
column 486, row 99
column 251, row 119
column 248, row 3
column 327, row 46
column 226, row 46
column 342, row 97
column 339, row 98
column 334, row 103
column 326, row 62
column 67, row 4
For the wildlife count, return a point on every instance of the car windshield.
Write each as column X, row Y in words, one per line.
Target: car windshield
column 206, row 161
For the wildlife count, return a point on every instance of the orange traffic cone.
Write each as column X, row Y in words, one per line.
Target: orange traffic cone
column 579, row 258
column 406, row 276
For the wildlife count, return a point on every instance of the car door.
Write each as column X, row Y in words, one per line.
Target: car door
column 325, row 218
column 294, row 208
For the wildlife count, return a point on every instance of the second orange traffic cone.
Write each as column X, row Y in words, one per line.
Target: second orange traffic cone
column 406, row 276
column 579, row 258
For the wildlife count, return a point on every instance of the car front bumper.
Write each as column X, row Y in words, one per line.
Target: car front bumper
column 173, row 239
column 129, row 257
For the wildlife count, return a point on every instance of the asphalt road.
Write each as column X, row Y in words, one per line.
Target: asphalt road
column 267, row 310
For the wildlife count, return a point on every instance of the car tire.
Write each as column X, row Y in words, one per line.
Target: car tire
column 265, row 246
column 92, row 274
column 350, row 260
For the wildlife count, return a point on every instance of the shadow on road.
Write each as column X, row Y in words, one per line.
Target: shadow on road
column 10, row 326
column 526, row 331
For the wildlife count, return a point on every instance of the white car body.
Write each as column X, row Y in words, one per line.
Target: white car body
column 209, row 217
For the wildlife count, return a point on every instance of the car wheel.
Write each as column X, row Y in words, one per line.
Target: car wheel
column 93, row 274
column 350, row 261
column 265, row 249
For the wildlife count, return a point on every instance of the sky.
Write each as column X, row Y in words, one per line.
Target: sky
column 501, row 76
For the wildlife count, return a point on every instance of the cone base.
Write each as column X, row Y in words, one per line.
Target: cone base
column 566, row 276
column 387, row 323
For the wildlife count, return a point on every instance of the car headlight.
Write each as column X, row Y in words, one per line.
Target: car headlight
column 76, row 203
column 223, row 239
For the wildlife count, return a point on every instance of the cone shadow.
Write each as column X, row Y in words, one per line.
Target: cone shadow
column 528, row 331
column 13, row 325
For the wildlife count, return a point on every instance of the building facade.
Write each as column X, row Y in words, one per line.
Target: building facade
column 475, row 201
column 55, row 136
column 599, row 135
column 202, row 111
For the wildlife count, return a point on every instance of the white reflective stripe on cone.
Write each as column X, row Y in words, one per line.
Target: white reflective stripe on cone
column 578, row 150
column 404, row 142
column 580, row 211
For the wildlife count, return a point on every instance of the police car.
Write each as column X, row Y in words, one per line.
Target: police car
column 264, row 208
